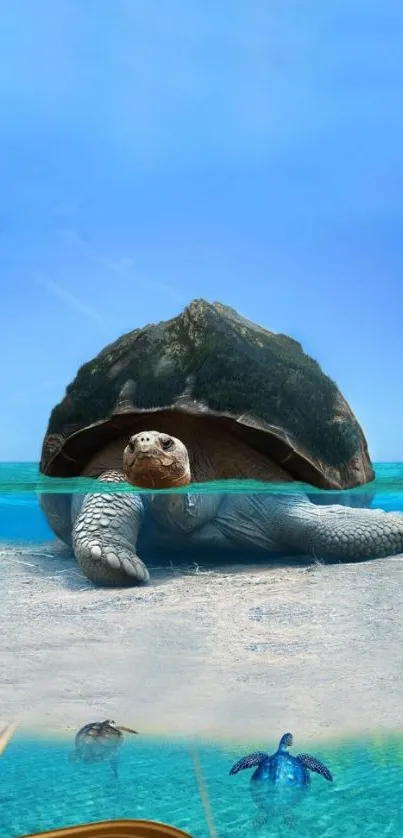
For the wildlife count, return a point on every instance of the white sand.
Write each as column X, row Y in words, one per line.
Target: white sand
column 238, row 652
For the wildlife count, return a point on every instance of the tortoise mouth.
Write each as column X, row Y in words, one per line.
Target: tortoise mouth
column 148, row 474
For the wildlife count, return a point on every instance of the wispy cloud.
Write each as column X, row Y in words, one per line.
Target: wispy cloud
column 123, row 267
column 163, row 288
column 71, row 300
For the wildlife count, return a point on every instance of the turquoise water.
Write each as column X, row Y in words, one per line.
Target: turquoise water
column 22, row 521
column 41, row 790
column 25, row 477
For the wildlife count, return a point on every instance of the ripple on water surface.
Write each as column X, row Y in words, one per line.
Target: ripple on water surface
column 25, row 477
column 41, row 790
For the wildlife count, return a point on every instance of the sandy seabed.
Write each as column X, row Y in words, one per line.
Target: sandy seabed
column 238, row 651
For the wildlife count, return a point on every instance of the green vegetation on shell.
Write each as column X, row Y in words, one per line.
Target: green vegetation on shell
column 225, row 362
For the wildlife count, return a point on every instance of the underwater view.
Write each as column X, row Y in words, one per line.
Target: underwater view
column 187, row 784
column 233, row 651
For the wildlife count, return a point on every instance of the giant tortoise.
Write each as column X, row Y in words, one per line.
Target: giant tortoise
column 209, row 396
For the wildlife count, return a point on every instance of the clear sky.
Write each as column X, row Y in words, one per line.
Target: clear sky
column 247, row 151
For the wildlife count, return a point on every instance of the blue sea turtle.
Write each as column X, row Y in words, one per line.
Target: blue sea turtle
column 280, row 778
column 99, row 742
column 208, row 396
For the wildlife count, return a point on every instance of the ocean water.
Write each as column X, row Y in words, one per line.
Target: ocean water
column 160, row 778
column 21, row 520
column 26, row 478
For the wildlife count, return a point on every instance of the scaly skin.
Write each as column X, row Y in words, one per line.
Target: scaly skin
column 282, row 523
column 336, row 532
column 106, row 526
column 105, row 531
column 57, row 511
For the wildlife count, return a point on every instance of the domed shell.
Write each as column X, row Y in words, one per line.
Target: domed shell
column 210, row 361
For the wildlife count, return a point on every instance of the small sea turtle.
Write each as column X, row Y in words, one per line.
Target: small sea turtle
column 208, row 396
column 99, row 742
column 280, row 773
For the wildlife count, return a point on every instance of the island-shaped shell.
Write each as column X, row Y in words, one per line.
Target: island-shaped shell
column 211, row 361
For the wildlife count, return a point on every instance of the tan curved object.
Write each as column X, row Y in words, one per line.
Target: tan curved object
column 115, row 829
column 6, row 733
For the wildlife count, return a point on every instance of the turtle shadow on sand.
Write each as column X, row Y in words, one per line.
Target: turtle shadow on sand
column 53, row 562
column 56, row 561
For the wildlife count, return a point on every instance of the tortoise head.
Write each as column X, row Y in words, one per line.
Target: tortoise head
column 285, row 742
column 154, row 460
column 110, row 727
column 108, row 723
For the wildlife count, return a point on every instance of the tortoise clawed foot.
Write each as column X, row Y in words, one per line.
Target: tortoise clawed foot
column 111, row 565
column 105, row 532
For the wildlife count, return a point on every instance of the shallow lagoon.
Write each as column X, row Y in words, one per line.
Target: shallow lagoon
column 234, row 652
column 157, row 780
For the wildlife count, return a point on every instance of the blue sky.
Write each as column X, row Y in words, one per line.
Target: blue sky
column 153, row 151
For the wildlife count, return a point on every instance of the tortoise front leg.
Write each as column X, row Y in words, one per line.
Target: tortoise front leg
column 104, row 537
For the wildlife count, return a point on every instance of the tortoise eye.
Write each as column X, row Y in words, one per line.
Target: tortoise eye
column 167, row 443
column 130, row 445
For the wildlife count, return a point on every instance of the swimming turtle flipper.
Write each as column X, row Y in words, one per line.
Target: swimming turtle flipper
column 248, row 762
column 73, row 756
column 316, row 765
column 115, row 767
